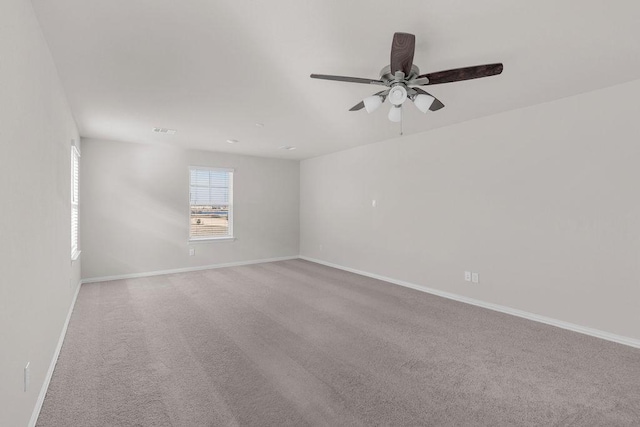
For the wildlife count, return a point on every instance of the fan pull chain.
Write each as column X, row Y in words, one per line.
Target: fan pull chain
column 401, row 119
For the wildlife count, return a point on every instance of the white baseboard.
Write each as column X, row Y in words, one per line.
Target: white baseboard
column 184, row 270
column 52, row 365
column 503, row 309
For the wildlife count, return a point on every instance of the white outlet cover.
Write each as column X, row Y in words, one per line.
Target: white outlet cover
column 374, row 203
column 467, row 276
column 192, row 251
column 475, row 277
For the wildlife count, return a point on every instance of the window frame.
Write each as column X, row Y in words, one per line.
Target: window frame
column 230, row 236
column 75, row 202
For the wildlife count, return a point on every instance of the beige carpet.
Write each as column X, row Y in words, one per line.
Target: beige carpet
column 294, row 343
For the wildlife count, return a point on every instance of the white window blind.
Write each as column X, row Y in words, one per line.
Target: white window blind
column 211, row 203
column 75, row 170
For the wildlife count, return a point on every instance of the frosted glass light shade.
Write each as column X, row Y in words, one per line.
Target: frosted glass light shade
column 397, row 95
column 423, row 102
column 395, row 113
column 371, row 103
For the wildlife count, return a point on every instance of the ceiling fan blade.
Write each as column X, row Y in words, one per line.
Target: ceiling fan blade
column 436, row 105
column 460, row 74
column 402, row 50
column 347, row 79
column 358, row 106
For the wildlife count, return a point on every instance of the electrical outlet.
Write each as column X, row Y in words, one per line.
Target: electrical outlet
column 27, row 376
column 475, row 277
column 192, row 251
column 467, row 276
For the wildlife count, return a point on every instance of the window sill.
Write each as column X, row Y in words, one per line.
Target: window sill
column 75, row 256
column 212, row 239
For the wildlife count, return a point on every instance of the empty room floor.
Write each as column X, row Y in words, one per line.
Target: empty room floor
column 294, row 343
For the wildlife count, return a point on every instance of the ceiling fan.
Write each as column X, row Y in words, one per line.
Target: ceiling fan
column 402, row 78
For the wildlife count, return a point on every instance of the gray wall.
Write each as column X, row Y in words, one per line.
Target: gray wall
column 135, row 205
column 37, row 279
column 542, row 202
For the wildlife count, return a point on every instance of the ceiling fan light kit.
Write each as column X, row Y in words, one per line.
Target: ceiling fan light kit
column 403, row 78
column 395, row 113
column 423, row 102
column 372, row 103
column 397, row 95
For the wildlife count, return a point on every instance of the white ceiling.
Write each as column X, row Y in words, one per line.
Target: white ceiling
column 212, row 69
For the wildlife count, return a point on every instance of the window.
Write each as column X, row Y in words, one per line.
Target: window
column 211, row 203
column 75, row 163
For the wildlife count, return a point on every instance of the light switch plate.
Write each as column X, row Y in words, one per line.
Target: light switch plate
column 475, row 277
column 27, row 376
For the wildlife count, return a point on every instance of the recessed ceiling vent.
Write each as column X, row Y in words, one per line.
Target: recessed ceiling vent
column 165, row 131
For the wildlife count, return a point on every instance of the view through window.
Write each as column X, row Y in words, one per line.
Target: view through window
column 211, row 199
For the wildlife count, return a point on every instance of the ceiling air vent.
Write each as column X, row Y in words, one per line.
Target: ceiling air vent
column 165, row 131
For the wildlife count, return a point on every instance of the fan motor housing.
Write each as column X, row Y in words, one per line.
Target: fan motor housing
column 385, row 73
